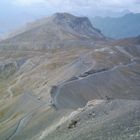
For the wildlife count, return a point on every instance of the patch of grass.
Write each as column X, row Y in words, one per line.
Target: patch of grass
column 3, row 112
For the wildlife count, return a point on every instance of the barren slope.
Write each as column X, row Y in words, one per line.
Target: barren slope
column 41, row 91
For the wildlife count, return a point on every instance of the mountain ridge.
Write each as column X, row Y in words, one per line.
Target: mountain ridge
column 52, row 31
column 82, row 88
column 119, row 27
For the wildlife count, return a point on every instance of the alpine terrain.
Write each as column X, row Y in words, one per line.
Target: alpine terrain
column 62, row 79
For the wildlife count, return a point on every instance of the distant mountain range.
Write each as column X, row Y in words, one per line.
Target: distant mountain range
column 119, row 27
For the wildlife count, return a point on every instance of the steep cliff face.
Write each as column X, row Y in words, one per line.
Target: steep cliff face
column 78, row 25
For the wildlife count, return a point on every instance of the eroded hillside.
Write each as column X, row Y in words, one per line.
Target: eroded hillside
column 87, row 87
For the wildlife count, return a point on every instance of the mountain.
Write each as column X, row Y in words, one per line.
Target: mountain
column 108, row 12
column 60, row 78
column 52, row 32
column 131, row 41
column 119, row 27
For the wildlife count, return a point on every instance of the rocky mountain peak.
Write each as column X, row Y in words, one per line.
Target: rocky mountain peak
column 80, row 25
column 61, row 28
column 71, row 20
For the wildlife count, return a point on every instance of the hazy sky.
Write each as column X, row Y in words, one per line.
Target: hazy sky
column 79, row 5
column 15, row 12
